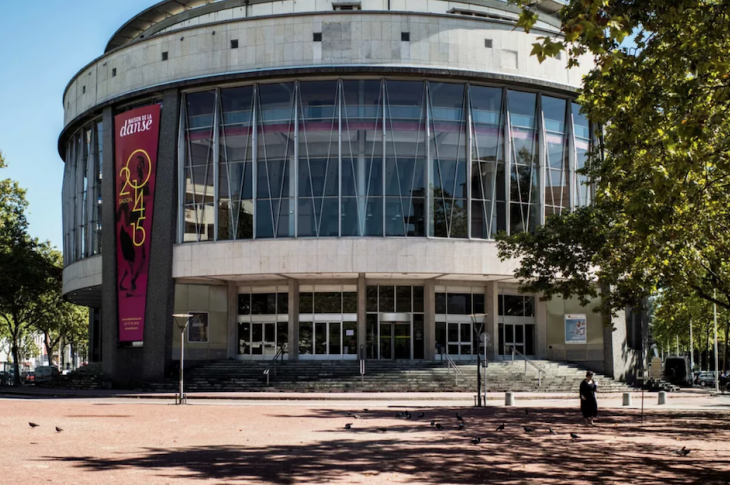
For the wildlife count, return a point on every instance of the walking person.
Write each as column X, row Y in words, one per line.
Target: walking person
column 588, row 403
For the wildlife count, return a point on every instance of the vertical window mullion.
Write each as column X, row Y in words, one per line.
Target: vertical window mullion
column 429, row 167
column 541, row 161
column 294, row 170
column 216, row 162
column 339, row 156
column 572, row 158
column 181, row 154
column 507, row 157
column 254, row 155
column 468, row 168
column 383, row 86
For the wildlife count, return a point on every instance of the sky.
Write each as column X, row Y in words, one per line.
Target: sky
column 43, row 44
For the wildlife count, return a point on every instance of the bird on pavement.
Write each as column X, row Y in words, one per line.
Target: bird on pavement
column 421, row 416
column 400, row 415
column 476, row 441
column 365, row 410
column 408, row 415
column 438, row 426
column 500, row 427
column 551, row 431
column 683, row 452
column 528, row 429
column 348, row 426
column 33, row 425
column 574, row 436
column 356, row 416
column 433, row 422
column 459, row 417
column 382, row 430
column 58, row 430
column 461, row 425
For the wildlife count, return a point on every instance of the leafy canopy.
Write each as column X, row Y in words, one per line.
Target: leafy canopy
column 661, row 217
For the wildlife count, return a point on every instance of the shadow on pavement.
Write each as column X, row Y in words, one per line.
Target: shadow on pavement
column 618, row 451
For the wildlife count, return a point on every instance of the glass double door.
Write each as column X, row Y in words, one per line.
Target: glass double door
column 261, row 339
column 394, row 340
column 519, row 335
column 459, row 337
column 328, row 339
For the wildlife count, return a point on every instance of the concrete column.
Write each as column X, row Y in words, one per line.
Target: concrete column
column 429, row 320
column 540, row 327
column 492, row 308
column 153, row 361
column 232, row 320
column 362, row 337
column 293, row 343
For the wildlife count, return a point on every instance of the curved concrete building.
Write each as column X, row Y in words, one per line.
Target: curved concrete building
column 330, row 177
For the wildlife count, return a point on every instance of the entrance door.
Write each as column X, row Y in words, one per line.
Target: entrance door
column 395, row 340
column 514, row 334
column 459, row 337
column 263, row 338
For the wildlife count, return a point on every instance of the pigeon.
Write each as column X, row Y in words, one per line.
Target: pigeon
column 356, row 416
column 461, row 425
column 683, row 452
column 500, row 427
column 348, row 426
column 408, row 415
column 438, row 426
column 58, row 430
column 459, row 418
column 476, row 441
column 528, row 429
column 399, row 415
column 365, row 410
column 382, row 430
column 433, row 423
column 574, row 436
column 33, row 425
column 551, row 431
column 421, row 416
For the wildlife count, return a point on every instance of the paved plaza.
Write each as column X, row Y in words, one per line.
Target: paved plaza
column 114, row 441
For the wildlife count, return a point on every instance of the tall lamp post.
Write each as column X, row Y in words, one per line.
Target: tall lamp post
column 182, row 326
column 477, row 321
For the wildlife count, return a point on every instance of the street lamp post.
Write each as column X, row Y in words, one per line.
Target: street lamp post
column 477, row 321
column 182, row 326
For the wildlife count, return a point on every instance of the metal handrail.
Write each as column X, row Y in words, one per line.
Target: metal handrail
column 451, row 364
column 540, row 370
column 279, row 353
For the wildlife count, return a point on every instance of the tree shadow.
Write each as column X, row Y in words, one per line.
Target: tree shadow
column 419, row 453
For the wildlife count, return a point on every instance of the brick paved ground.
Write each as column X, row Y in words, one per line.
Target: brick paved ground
column 108, row 441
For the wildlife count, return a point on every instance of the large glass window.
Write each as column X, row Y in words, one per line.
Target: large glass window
column 557, row 183
column 524, row 173
column 199, row 198
column 402, row 338
column 374, row 158
column 448, row 160
column 235, row 173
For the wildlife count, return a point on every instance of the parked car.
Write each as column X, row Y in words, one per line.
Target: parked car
column 45, row 373
column 706, row 379
column 28, row 377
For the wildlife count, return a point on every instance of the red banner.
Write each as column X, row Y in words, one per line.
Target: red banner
column 136, row 137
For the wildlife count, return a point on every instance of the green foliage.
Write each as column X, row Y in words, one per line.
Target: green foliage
column 661, row 218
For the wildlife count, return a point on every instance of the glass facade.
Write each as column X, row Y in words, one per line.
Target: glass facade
column 377, row 158
column 81, row 193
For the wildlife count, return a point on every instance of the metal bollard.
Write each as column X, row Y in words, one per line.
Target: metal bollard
column 627, row 399
column 509, row 399
column 662, row 397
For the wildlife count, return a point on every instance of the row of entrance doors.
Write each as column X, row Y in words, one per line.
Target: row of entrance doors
column 394, row 339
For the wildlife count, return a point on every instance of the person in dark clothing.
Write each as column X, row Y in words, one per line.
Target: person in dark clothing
column 588, row 403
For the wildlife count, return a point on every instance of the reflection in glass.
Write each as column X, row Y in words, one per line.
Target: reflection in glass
column 556, row 166
column 334, row 341
column 320, row 338
column 305, row 338
column 524, row 203
column 582, row 148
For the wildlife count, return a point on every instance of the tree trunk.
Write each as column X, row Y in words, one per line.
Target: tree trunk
column 49, row 347
column 16, row 365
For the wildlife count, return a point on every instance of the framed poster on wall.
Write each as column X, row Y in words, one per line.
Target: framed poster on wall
column 198, row 327
column 575, row 328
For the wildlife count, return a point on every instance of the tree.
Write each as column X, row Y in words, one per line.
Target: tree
column 661, row 216
column 60, row 317
column 26, row 269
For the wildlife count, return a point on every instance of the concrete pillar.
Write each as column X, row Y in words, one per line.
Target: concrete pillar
column 361, row 314
column 293, row 344
column 429, row 320
column 125, row 365
column 232, row 320
column 491, row 307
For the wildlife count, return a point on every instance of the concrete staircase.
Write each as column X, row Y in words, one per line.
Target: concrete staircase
column 381, row 376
